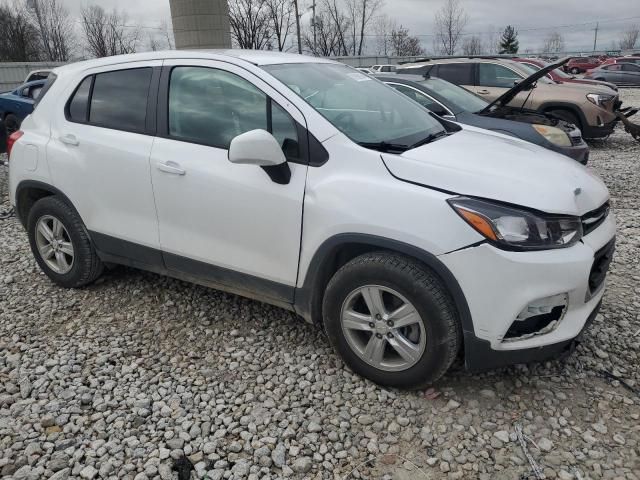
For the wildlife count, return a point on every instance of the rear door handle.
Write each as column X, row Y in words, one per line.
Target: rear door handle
column 69, row 139
column 170, row 167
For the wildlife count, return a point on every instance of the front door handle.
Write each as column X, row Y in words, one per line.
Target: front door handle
column 171, row 167
column 483, row 92
column 69, row 139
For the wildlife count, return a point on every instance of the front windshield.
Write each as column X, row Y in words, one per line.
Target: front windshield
column 458, row 99
column 557, row 71
column 364, row 109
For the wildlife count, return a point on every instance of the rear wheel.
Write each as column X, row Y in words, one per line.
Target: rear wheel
column 11, row 123
column 575, row 70
column 391, row 320
column 61, row 245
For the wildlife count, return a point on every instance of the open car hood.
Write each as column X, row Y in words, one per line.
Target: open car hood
column 525, row 84
column 479, row 163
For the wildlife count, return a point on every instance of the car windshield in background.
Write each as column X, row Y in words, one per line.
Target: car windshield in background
column 366, row 110
column 458, row 99
column 529, row 70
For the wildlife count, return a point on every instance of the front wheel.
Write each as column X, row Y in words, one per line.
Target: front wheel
column 575, row 70
column 391, row 320
column 61, row 245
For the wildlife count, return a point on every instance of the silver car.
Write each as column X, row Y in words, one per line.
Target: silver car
column 622, row 74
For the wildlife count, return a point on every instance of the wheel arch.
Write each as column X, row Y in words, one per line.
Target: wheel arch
column 342, row 248
column 570, row 107
column 29, row 192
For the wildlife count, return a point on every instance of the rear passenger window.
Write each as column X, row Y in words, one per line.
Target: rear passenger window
column 493, row 75
column 211, row 107
column 458, row 73
column 78, row 106
column 119, row 99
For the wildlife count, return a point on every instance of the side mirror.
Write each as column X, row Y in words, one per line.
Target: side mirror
column 260, row 148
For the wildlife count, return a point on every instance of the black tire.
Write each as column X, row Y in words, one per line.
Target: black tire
column 86, row 266
column 423, row 290
column 567, row 116
column 11, row 123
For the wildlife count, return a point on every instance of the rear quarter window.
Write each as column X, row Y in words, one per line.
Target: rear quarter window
column 456, row 73
column 47, row 86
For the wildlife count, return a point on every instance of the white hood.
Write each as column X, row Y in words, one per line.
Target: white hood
column 478, row 163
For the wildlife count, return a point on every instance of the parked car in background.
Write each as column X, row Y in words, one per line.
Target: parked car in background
column 581, row 64
column 615, row 60
column 366, row 70
column 37, row 75
column 17, row 104
column 3, row 137
column 559, row 76
column 590, row 107
column 622, row 74
column 456, row 103
column 384, row 68
column 421, row 237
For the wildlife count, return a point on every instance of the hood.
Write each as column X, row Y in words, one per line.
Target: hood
column 483, row 164
column 525, row 84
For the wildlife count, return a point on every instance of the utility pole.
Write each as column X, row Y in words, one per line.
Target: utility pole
column 297, row 12
column 595, row 38
column 313, row 8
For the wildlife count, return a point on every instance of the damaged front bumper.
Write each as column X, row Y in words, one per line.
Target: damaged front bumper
column 530, row 306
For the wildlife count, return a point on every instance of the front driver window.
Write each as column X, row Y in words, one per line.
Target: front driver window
column 211, row 107
column 493, row 75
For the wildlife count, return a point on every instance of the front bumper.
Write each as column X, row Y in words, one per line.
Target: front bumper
column 498, row 285
column 580, row 152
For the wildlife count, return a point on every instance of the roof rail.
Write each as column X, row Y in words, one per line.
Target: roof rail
column 445, row 57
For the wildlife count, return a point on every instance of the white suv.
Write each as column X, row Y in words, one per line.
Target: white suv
column 306, row 184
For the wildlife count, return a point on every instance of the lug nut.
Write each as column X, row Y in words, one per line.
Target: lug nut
column 379, row 335
column 372, row 325
column 378, row 317
column 390, row 323
column 389, row 335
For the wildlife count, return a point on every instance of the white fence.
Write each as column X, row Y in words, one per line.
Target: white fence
column 13, row 74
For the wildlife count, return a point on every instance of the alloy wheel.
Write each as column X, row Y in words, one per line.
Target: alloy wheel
column 54, row 244
column 383, row 328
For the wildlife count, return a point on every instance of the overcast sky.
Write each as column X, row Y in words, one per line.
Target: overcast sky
column 534, row 19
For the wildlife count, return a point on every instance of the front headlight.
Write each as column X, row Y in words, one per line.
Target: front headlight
column 599, row 98
column 514, row 228
column 554, row 135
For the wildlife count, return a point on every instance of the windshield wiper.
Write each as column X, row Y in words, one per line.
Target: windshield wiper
column 428, row 139
column 385, row 146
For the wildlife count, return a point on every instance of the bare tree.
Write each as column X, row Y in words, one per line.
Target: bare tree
column 360, row 14
column 450, row 22
column 341, row 24
column 249, row 21
column 492, row 41
column 167, row 34
column 327, row 38
column 281, row 19
column 106, row 33
column 472, row 46
column 382, row 28
column 405, row 45
column 553, row 43
column 629, row 38
column 19, row 40
column 55, row 28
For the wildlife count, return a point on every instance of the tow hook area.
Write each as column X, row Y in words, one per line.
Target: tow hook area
column 630, row 127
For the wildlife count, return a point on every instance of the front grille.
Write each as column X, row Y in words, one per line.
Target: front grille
column 593, row 219
column 575, row 141
column 601, row 262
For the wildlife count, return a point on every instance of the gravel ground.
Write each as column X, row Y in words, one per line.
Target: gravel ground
column 120, row 379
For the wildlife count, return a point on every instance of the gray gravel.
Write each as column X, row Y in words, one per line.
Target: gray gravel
column 119, row 379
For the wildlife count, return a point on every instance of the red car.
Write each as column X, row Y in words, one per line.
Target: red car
column 559, row 76
column 581, row 64
column 609, row 61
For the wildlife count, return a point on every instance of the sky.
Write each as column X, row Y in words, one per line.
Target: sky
column 534, row 19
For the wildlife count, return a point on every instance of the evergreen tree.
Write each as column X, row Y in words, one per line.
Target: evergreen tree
column 509, row 41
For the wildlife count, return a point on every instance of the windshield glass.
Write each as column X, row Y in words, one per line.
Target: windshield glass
column 528, row 70
column 458, row 99
column 364, row 109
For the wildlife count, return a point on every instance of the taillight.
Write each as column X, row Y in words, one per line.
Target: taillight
column 13, row 138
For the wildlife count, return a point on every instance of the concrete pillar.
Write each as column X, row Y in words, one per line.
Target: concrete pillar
column 201, row 23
